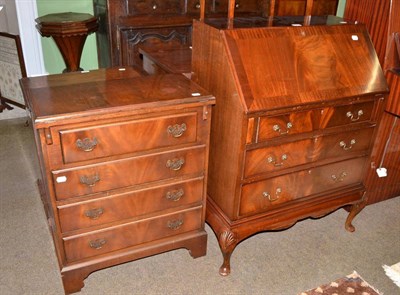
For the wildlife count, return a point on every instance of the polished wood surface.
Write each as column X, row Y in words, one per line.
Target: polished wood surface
column 96, row 132
column 293, row 125
column 69, row 31
column 383, row 23
column 167, row 59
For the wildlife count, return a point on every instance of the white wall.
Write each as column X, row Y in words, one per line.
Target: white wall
column 19, row 18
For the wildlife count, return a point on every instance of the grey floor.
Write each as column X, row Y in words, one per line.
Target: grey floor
column 311, row 253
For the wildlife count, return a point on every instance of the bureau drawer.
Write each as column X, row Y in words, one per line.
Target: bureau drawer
column 263, row 195
column 347, row 114
column 120, row 138
column 127, row 172
column 128, row 205
column 283, row 125
column 305, row 151
column 131, row 234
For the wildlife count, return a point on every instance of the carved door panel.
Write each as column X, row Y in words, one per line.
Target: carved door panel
column 132, row 39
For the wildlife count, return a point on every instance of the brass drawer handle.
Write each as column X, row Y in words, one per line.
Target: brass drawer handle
column 97, row 244
column 175, row 195
column 89, row 180
column 344, row 146
column 352, row 117
column 94, row 213
column 176, row 130
column 339, row 178
column 175, row 224
column 271, row 160
column 278, row 129
column 86, row 144
column 271, row 198
column 175, row 164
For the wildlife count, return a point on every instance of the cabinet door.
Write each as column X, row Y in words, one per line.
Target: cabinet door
column 131, row 39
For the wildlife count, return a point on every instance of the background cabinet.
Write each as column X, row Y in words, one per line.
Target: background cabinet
column 127, row 24
column 383, row 23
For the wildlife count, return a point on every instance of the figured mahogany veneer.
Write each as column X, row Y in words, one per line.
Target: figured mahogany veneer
column 124, row 165
column 294, row 122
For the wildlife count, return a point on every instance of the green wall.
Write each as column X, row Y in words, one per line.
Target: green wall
column 341, row 6
column 53, row 60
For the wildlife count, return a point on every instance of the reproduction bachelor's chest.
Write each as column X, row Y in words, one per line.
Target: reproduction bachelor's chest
column 297, row 106
column 123, row 163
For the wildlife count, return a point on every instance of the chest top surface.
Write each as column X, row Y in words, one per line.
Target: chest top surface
column 100, row 93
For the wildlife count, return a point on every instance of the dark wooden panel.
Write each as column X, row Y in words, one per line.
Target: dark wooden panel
column 387, row 151
column 393, row 104
column 375, row 15
column 382, row 21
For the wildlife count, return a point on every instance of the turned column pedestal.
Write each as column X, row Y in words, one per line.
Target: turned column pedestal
column 69, row 30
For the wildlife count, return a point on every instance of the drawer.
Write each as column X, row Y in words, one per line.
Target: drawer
column 154, row 7
column 127, row 172
column 283, row 125
column 244, row 6
column 128, row 205
column 300, row 152
column 264, row 195
column 193, row 6
column 120, row 138
column 347, row 114
column 131, row 234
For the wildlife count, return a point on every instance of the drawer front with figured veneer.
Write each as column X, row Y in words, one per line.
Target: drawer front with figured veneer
column 127, row 172
column 347, row 114
column 300, row 152
column 128, row 205
column 120, row 138
column 131, row 234
column 283, row 125
column 261, row 196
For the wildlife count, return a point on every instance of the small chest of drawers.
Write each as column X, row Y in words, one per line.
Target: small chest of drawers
column 124, row 166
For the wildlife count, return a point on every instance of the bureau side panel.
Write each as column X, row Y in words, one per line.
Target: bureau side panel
column 229, row 123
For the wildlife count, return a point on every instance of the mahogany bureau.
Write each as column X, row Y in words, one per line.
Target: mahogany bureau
column 123, row 163
column 296, row 114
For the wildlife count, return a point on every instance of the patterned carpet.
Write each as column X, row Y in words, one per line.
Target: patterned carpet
column 351, row 284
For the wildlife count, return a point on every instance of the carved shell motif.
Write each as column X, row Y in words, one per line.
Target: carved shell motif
column 226, row 239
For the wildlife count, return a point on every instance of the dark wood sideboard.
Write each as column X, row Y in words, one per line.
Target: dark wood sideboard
column 123, row 162
column 124, row 25
column 383, row 23
column 296, row 115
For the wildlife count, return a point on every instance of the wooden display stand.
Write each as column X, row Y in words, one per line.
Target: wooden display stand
column 296, row 112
